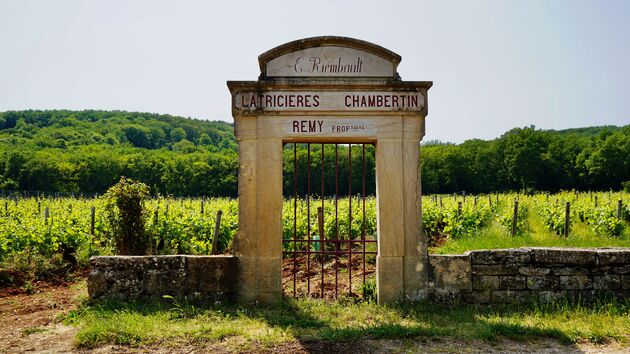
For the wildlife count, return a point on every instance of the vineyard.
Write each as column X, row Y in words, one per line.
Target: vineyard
column 42, row 237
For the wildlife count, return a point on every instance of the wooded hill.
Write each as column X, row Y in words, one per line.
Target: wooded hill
column 87, row 151
column 594, row 158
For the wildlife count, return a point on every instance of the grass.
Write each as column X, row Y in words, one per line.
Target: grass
column 537, row 235
column 32, row 330
column 244, row 327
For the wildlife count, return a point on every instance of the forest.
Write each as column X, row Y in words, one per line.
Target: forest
column 68, row 152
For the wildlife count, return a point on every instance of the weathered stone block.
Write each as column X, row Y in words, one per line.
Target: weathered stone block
column 529, row 271
column 575, row 282
column 625, row 282
column 169, row 262
column 510, row 296
column 390, row 281
column 444, row 296
column 450, row 272
column 564, row 256
column 495, row 269
column 613, row 256
column 606, row 282
column 600, row 270
column 269, row 279
column 171, row 282
column 570, row 271
column 543, row 282
column 102, row 262
column 550, row 296
column 97, row 282
column 481, row 297
column 485, row 282
column 152, row 283
column 512, row 282
column 500, row 256
column 624, row 269
column 137, row 277
column 584, row 295
column 212, row 274
column 247, row 279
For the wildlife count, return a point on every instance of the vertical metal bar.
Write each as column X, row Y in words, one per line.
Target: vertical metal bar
column 322, row 234
column 308, row 215
column 92, row 217
column 515, row 217
column 567, row 219
column 336, row 218
column 350, row 218
column 319, row 253
column 363, row 200
column 295, row 198
column 215, row 240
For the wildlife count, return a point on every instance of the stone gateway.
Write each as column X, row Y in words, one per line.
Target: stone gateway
column 330, row 90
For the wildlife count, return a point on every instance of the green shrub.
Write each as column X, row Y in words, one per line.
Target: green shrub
column 126, row 214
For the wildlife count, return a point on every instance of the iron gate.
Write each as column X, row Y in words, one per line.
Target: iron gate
column 329, row 222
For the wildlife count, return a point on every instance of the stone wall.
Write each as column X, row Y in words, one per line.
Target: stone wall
column 136, row 277
column 484, row 276
column 526, row 274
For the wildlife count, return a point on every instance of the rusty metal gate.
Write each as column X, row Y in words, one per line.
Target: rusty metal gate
column 329, row 221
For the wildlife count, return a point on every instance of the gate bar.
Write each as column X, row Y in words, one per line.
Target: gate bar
column 308, row 212
column 295, row 198
column 363, row 196
column 336, row 219
column 350, row 219
column 322, row 234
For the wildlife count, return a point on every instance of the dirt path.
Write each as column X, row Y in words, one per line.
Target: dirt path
column 30, row 323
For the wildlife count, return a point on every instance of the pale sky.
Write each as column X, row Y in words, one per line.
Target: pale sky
column 495, row 65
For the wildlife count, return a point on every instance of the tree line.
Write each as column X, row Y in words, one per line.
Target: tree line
column 529, row 159
column 88, row 151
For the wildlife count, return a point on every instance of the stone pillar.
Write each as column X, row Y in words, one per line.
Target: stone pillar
column 416, row 254
column 390, row 221
column 259, row 242
column 402, row 251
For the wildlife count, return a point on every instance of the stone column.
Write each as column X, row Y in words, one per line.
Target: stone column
column 269, row 216
column 258, row 245
column 390, row 221
column 416, row 256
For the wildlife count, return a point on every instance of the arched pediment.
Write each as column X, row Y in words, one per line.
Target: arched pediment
column 329, row 56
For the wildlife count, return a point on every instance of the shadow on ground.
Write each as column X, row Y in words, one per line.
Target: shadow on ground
column 346, row 326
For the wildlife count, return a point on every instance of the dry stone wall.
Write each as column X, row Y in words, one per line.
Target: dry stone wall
column 526, row 274
column 145, row 277
column 485, row 276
